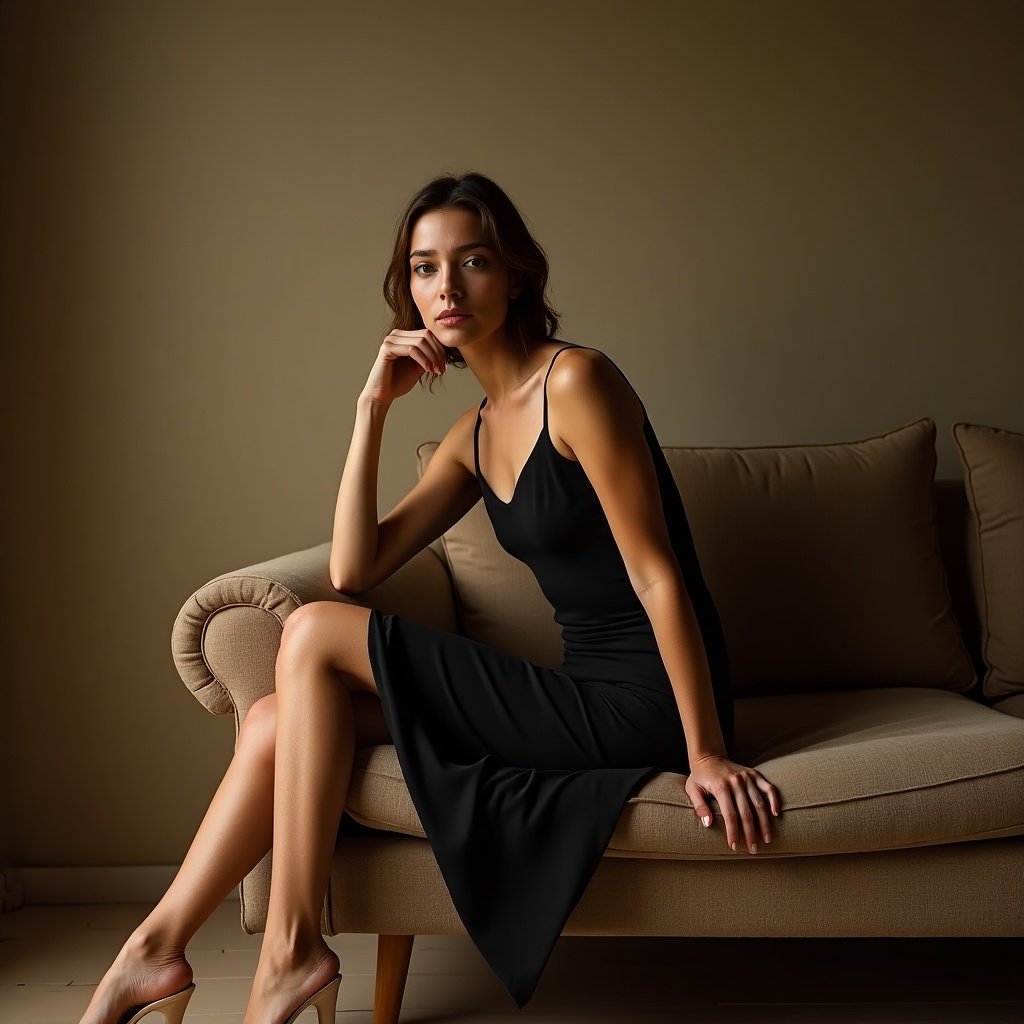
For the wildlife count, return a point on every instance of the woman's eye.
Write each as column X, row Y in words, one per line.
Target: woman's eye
column 420, row 266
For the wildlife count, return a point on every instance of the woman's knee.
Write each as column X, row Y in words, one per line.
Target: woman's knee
column 258, row 732
column 311, row 621
column 327, row 633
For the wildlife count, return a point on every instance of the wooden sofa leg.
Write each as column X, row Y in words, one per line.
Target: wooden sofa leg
column 393, row 955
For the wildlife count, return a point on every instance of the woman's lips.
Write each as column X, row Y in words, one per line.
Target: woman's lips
column 453, row 321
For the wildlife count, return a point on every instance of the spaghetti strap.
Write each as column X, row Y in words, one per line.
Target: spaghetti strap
column 548, row 374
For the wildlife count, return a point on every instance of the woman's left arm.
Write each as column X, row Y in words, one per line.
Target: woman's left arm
column 600, row 418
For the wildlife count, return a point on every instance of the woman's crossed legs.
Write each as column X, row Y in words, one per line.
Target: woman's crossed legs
column 289, row 779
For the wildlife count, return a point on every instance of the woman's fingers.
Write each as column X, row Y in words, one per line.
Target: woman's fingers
column 418, row 355
column 425, row 342
column 423, row 352
column 430, row 352
column 760, row 809
column 744, row 811
column 773, row 794
column 433, row 349
column 442, row 359
column 727, row 808
column 746, row 800
column 441, row 351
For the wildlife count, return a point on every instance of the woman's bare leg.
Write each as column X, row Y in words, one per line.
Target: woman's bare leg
column 322, row 657
column 233, row 837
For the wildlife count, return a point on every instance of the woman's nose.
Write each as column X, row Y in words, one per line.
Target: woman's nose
column 449, row 280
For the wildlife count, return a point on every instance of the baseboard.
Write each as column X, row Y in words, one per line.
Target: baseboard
column 118, row 884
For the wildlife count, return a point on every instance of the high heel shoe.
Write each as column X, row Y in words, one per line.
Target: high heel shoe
column 325, row 1001
column 172, row 1007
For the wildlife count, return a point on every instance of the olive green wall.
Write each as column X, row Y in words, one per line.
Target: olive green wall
column 787, row 222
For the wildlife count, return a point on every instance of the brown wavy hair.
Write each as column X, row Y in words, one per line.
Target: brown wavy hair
column 529, row 313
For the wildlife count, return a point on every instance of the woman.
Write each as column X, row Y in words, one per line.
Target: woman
column 519, row 772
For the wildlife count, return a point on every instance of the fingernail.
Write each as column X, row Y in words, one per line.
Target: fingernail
column 707, row 820
column 733, row 847
column 767, row 837
column 753, row 847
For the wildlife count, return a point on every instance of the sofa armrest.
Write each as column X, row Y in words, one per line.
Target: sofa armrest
column 225, row 638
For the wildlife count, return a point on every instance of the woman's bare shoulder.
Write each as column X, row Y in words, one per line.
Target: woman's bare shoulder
column 588, row 379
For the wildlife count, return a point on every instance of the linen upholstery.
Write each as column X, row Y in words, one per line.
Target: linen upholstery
column 993, row 461
column 390, row 884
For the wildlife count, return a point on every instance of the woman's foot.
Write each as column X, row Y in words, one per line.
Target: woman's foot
column 144, row 970
column 284, row 981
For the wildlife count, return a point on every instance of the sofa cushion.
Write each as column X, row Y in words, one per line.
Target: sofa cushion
column 993, row 462
column 857, row 771
column 822, row 560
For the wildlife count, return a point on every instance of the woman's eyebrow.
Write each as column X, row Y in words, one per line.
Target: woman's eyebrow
column 458, row 248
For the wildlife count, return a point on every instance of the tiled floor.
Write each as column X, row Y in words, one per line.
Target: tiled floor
column 51, row 957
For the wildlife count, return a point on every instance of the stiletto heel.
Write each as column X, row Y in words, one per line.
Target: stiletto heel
column 172, row 1007
column 325, row 1001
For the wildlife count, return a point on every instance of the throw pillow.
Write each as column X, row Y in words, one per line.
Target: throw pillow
column 993, row 461
column 824, row 564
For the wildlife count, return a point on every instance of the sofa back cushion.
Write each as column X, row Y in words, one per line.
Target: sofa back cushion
column 993, row 461
column 822, row 560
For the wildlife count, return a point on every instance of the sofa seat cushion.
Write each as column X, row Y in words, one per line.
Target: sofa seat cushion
column 857, row 770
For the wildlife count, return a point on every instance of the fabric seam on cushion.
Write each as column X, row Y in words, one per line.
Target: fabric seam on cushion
column 852, row 799
column 640, row 798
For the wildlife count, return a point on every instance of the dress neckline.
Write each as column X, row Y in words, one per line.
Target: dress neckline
column 536, row 444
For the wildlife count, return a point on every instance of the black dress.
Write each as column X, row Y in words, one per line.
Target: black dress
column 519, row 772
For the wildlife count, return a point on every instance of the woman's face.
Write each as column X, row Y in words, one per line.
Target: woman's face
column 461, row 271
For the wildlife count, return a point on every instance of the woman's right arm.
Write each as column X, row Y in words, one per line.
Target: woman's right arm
column 354, row 544
column 355, row 548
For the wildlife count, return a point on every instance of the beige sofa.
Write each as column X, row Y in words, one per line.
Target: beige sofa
column 875, row 624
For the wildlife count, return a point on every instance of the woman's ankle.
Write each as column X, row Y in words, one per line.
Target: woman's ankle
column 153, row 942
column 281, row 957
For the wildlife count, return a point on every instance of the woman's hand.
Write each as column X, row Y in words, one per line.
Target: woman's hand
column 738, row 791
column 403, row 358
